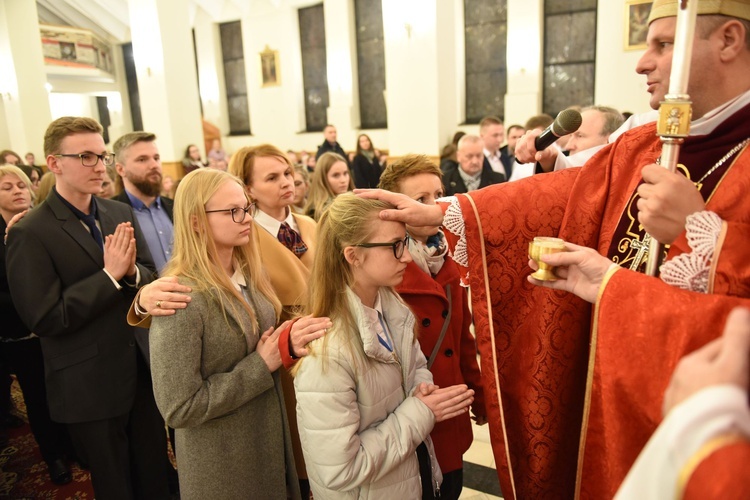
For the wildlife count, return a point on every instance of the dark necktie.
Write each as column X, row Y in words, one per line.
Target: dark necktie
column 291, row 239
column 90, row 221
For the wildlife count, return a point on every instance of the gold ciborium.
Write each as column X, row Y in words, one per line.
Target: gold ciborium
column 543, row 245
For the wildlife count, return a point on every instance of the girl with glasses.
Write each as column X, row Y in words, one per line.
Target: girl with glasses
column 431, row 287
column 365, row 401
column 215, row 363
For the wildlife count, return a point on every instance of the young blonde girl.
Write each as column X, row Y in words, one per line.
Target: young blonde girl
column 330, row 179
column 365, row 400
column 215, row 363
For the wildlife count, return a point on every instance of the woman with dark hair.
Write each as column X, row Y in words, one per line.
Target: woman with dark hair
column 192, row 160
column 366, row 166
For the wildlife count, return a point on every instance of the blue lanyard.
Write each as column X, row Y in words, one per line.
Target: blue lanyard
column 384, row 341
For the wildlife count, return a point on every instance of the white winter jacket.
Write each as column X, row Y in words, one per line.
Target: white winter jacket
column 359, row 431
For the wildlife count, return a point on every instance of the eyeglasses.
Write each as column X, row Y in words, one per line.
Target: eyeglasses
column 91, row 159
column 238, row 214
column 398, row 246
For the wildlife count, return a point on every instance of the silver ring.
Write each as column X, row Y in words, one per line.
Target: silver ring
column 158, row 304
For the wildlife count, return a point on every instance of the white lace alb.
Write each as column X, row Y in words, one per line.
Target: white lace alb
column 690, row 271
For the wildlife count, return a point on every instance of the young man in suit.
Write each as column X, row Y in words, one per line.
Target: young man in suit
column 74, row 265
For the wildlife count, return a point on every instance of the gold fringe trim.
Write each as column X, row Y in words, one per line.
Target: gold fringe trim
column 492, row 340
column 590, row 378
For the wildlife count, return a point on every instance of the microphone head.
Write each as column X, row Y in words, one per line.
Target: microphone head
column 566, row 122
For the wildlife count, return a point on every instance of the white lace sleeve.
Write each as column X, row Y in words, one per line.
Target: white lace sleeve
column 453, row 221
column 690, row 271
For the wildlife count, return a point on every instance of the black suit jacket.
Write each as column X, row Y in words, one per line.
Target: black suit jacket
column 455, row 184
column 507, row 167
column 167, row 203
column 13, row 327
column 59, row 287
column 326, row 147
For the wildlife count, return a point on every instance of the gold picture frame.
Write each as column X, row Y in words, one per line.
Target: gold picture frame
column 636, row 23
column 270, row 68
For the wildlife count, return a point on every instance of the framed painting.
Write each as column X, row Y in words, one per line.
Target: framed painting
column 636, row 23
column 269, row 68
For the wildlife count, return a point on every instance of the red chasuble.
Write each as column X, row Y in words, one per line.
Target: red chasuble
column 547, row 395
column 720, row 474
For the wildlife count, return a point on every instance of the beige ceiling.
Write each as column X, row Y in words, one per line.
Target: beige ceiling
column 110, row 19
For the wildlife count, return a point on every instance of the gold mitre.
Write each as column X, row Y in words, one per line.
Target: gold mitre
column 732, row 8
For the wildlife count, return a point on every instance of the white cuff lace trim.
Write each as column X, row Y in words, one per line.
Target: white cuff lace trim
column 689, row 271
column 453, row 221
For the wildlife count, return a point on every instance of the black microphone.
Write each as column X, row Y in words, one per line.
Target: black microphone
column 566, row 123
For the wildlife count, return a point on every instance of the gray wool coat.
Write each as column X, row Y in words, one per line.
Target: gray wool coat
column 232, row 434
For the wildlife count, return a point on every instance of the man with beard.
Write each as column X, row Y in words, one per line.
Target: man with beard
column 138, row 164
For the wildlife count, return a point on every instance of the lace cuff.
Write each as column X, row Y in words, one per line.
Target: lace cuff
column 690, row 271
column 453, row 221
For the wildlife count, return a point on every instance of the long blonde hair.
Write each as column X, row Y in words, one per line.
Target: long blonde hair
column 194, row 254
column 320, row 193
column 349, row 220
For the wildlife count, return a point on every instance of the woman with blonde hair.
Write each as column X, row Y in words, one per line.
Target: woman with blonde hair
column 365, row 400
column 286, row 244
column 215, row 363
column 301, row 188
column 330, row 179
column 45, row 187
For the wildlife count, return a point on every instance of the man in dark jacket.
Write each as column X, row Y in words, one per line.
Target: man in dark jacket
column 471, row 172
column 330, row 145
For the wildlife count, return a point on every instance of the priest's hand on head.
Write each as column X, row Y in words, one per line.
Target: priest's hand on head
column 407, row 210
column 580, row 271
column 725, row 360
column 666, row 199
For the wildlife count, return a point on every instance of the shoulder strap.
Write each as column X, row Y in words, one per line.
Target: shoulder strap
column 445, row 328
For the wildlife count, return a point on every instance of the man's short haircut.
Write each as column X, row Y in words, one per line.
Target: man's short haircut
column 612, row 118
column 488, row 121
column 513, row 127
column 467, row 140
column 328, row 126
column 405, row 167
column 707, row 24
column 65, row 126
column 123, row 143
column 539, row 121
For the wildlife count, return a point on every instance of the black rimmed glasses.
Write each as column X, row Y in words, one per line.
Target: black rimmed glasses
column 238, row 214
column 91, row 159
column 397, row 246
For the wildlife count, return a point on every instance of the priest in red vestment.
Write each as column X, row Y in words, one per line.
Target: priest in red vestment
column 573, row 392
column 701, row 449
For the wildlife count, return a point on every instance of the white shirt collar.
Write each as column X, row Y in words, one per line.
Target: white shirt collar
column 272, row 225
column 489, row 154
column 238, row 279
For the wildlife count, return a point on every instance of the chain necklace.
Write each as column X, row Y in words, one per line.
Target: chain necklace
column 722, row 161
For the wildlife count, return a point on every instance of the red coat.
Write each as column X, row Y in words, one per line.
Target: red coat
column 456, row 361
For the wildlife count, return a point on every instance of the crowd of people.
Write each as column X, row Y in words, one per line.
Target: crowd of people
column 287, row 336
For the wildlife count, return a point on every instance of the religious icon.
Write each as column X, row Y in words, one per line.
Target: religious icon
column 636, row 23
column 269, row 67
